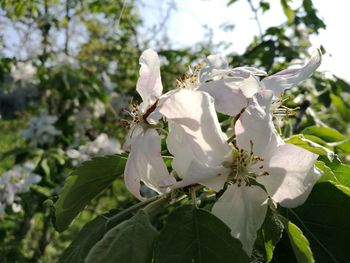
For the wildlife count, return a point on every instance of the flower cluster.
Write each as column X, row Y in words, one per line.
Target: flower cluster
column 250, row 163
column 23, row 72
column 41, row 129
column 102, row 145
column 15, row 181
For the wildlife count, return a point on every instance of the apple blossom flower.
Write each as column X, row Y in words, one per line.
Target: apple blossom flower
column 102, row 145
column 286, row 171
column 145, row 162
column 23, row 72
column 195, row 138
column 15, row 181
column 41, row 129
column 231, row 87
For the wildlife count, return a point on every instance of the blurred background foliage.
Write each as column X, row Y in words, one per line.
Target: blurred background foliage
column 74, row 63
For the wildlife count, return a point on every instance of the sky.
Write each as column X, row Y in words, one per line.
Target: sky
column 186, row 26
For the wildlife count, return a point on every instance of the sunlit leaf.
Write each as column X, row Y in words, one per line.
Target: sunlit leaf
column 301, row 141
column 299, row 242
column 86, row 182
column 326, row 134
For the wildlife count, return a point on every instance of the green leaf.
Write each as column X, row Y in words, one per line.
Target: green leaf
column 93, row 231
column 270, row 233
column 299, row 242
column 45, row 166
column 195, row 235
column 341, row 107
column 326, row 134
column 301, row 141
column 344, row 146
column 342, row 173
column 318, row 141
column 327, row 173
column 85, row 183
column 324, row 220
column 287, row 11
column 128, row 242
column 230, row 2
column 90, row 234
column 339, row 176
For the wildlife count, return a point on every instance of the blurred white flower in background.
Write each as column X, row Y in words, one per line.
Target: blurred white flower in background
column 23, row 72
column 98, row 109
column 102, row 145
column 15, row 181
column 119, row 102
column 41, row 129
column 84, row 117
column 109, row 85
column 64, row 59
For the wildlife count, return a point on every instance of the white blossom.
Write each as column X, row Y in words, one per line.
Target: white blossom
column 145, row 162
column 102, row 145
column 15, row 181
column 41, row 129
column 231, row 87
column 23, row 71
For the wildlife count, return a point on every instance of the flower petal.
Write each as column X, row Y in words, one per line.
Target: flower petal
column 149, row 84
column 255, row 125
column 243, row 209
column 291, row 175
column 146, row 164
column 291, row 77
column 209, row 176
column 229, row 98
column 194, row 112
column 133, row 133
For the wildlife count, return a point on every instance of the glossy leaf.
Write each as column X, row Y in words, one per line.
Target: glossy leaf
column 128, row 242
column 270, row 234
column 326, row 134
column 85, row 183
column 195, row 235
column 299, row 242
column 90, row 234
column 324, row 220
column 301, row 141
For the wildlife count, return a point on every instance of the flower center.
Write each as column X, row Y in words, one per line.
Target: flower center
column 279, row 110
column 138, row 117
column 245, row 167
column 191, row 78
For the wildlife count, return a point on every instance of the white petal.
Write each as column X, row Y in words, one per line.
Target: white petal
column 211, row 177
column 149, row 84
column 217, row 62
column 214, row 63
column 255, row 125
column 251, row 71
column 292, row 175
column 146, row 164
column 179, row 146
column 194, row 112
column 291, row 77
column 229, row 98
column 250, row 86
column 133, row 133
column 243, row 209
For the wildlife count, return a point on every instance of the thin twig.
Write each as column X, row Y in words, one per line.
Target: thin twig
column 256, row 17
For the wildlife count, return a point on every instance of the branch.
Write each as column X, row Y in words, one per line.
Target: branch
column 256, row 17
